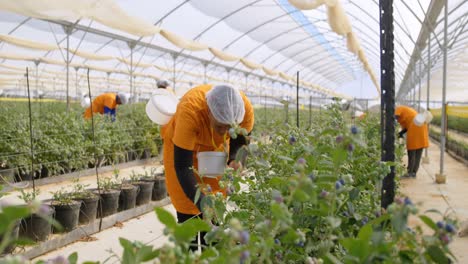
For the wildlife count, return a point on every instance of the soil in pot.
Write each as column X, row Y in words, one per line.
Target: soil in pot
column 127, row 199
column 67, row 215
column 109, row 203
column 37, row 228
column 14, row 236
column 145, row 192
column 88, row 209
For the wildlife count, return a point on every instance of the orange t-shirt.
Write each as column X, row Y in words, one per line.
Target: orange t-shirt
column 108, row 100
column 190, row 129
column 417, row 137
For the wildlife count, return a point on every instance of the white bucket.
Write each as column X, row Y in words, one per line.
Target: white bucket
column 85, row 102
column 419, row 120
column 428, row 116
column 211, row 163
column 161, row 106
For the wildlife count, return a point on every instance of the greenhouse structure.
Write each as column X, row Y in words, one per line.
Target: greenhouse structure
column 248, row 131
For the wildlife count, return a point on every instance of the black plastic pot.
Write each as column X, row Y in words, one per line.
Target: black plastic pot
column 14, row 236
column 7, row 175
column 24, row 176
column 145, row 192
column 37, row 228
column 127, row 199
column 159, row 188
column 109, row 203
column 67, row 215
column 146, row 154
column 88, row 209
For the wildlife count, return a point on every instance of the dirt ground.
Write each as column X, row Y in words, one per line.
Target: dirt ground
column 450, row 198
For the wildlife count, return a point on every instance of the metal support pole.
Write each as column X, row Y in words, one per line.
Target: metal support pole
column 441, row 177
column 297, row 99
column 419, row 91
column 76, row 84
column 310, row 111
column 387, row 82
column 426, row 154
column 131, row 71
column 36, row 62
column 205, row 66
column 174, row 57
column 68, row 67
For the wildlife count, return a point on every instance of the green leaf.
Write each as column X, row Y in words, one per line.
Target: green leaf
column 281, row 157
column 189, row 229
column 128, row 256
column 335, row 222
column 151, row 255
column 300, row 195
column 437, row 255
column 354, row 194
column 356, row 247
column 339, row 155
column 166, row 218
column 428, row 221
column 197, row 196
column 365, row 233
column 73, row 258
column 329, row 258
column 208, row 253
column 16, row 212
column 434, row 211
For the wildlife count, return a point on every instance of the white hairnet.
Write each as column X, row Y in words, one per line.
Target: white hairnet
column 124, row 97
column 162, row 84
column 226, row 104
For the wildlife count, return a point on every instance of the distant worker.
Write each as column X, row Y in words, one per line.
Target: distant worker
column 106, row 104
column 417, row 137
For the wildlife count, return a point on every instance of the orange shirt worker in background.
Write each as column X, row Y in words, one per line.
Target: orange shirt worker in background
column 417, row 138
column 201, row 123
column 106, row 104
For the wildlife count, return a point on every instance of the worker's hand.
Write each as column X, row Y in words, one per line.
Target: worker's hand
column 236, row 165
column 401, row 133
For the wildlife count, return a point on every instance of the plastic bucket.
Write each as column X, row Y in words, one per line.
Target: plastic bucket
column 419, row 120
column 211, row 163
column 85, row 102
column 161, row 106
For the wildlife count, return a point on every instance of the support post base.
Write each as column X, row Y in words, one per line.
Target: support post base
column 425, row 160
column 441, row 178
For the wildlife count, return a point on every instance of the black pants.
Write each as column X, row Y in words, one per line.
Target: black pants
column 194, row 243
column 414, row 158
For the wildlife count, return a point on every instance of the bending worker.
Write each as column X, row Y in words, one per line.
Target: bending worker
column 106, row 104
column 201, row 123
column 417, row 138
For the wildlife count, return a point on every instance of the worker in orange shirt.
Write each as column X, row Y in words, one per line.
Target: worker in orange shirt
column 201, row 123
column 106, row 104
column 417, row 137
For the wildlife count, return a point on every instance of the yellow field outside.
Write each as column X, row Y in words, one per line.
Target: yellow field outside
column 32, row 99
column 458, row 111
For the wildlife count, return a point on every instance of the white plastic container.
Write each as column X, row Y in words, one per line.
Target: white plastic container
column 428, row 116
column 85, row 102
column 419, row 120
column 211, row 163
column 161, row 106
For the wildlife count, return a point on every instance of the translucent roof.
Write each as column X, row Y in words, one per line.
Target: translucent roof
column 258, row 45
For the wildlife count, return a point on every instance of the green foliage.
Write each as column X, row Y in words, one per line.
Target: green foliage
column 453, row 122
column 63, row 142
column 62, row 197
column 28, row 197
column 79, row 190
